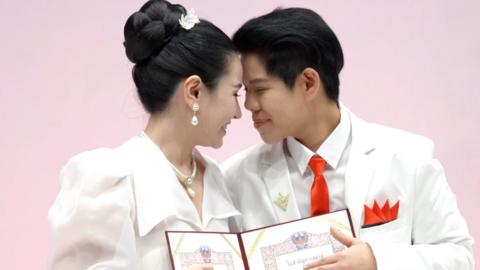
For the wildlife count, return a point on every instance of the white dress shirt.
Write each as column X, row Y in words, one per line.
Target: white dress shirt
column 335, row 151
column 115, row 205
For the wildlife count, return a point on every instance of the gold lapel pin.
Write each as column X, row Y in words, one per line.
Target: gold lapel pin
column 282, row 201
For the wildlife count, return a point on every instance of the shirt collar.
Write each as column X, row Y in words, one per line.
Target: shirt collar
column 331, row 149
column 159, row 194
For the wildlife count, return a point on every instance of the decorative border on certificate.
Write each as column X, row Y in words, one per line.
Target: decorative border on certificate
column 205, row 255
column 298, row 241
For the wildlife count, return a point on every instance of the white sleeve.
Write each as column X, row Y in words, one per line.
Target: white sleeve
column 440, row 237
column 91, row 219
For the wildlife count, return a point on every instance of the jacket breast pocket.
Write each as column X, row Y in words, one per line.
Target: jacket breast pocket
column 391, row 232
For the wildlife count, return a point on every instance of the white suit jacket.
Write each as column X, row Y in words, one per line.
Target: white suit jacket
column 384, row 164
column 115, row 205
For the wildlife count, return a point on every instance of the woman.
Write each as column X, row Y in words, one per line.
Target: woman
column 115, row 204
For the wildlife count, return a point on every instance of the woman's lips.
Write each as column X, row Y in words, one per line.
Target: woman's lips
column 259, row 123
column 224, row 128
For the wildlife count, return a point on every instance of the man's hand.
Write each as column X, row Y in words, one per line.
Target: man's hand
column 358, row 255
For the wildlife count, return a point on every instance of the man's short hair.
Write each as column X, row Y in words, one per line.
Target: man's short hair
column 290, row 40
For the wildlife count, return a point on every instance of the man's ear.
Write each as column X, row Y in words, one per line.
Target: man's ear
column 192, row 89
column 310, row 83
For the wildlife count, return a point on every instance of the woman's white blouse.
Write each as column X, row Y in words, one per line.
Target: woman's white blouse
column 115, row 205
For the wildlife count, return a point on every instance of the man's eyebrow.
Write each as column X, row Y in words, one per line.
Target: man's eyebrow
column 258, row 80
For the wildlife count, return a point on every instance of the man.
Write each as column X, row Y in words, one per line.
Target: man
column 319, row 157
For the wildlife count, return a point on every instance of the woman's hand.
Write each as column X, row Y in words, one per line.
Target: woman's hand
column 200, row 267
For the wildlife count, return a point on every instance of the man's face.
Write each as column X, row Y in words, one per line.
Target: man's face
column 276, row 109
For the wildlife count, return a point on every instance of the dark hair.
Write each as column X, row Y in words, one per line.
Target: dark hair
column 164, row 52
column 290, row 40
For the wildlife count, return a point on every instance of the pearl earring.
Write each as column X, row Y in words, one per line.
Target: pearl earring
column 195, row 109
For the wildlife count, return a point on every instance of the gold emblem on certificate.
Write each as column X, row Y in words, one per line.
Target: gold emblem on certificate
column 205, row 255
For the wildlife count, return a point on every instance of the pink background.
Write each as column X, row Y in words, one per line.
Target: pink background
column 66, row 87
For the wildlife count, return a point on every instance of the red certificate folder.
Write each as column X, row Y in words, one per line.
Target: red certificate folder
column 286, row 245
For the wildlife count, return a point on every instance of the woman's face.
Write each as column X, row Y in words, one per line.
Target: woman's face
column 219, row 106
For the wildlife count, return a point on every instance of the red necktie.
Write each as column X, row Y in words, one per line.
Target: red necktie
column 320, row 200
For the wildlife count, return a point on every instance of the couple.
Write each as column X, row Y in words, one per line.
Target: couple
column 115, row 204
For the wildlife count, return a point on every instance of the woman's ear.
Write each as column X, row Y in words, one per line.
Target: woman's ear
column 192, row 89
column 311, row 83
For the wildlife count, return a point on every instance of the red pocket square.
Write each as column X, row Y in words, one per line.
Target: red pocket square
column 377, row 215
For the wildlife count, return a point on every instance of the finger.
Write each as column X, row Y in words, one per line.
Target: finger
column 200, row 267
column 341, row 237
column 325, row 261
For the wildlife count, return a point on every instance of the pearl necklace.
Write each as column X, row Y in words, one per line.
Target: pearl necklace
column 186, row 180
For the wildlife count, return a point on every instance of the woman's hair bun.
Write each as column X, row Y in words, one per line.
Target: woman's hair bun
column 164, row 52
column 143, row 36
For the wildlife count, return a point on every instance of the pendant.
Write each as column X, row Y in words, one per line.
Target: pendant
column 190, row 192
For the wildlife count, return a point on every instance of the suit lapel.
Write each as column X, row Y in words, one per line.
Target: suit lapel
column 360, row 170
column 278, row 184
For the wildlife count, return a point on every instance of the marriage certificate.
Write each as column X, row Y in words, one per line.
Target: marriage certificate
column 287, row 245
